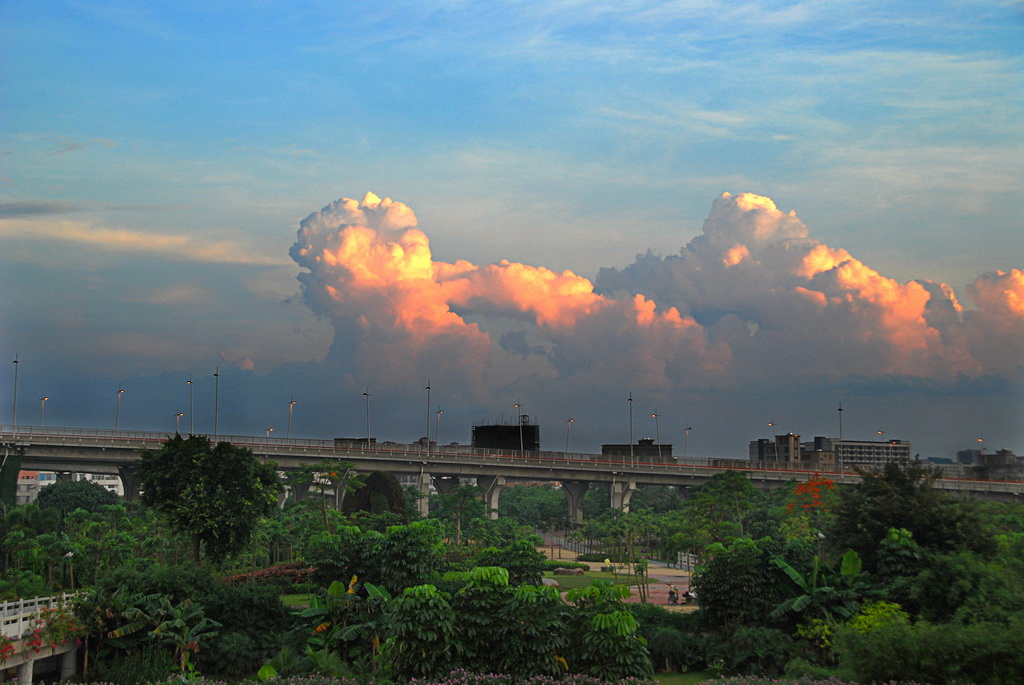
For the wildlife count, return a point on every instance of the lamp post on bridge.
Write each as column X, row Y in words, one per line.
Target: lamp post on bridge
column 42, row 410
column 291, row 406
column 117, row 412
column 437, row 427
column 14, row 417
column 630, row 400
column 366, row 394
column 568, row 425
column 657, row 433
column 177, row 421
column 191, row 408
column 427, row 434
column 839, row 452
column 216, row 401
column 519, row 420
column 686, row 440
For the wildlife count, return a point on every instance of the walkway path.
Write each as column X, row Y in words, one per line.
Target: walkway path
column 661, row 576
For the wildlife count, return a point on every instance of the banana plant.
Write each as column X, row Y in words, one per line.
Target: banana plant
column 185, row 628
column 823, row 592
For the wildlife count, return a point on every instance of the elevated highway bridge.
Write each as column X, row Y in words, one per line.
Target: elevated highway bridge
column 70, row 450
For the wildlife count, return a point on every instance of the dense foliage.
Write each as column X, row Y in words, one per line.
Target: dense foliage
column 887, row 580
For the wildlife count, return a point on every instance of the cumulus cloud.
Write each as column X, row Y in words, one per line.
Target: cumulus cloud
column 752, row 298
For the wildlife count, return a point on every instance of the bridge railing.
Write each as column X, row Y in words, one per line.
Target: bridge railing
column 318, row 449
column 18, row 616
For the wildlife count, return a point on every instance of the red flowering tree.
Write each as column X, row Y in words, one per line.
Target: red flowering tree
column 809, row 505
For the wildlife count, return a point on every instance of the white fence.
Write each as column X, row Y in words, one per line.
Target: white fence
column 16, row 617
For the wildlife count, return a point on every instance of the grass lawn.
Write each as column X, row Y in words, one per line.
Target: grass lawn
column 571, row 582
column 295, row 601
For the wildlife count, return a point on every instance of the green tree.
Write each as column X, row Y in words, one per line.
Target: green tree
column 480, row 605
column 903, row 498
column 605, row 636
column 739, row 584
column 462, row 502
column 535, row 633
column 421, row 628
column 523, row 563
column 534, row 505
column 66, row 496
column 379, row 493
column 406, row 555
column 215, row 494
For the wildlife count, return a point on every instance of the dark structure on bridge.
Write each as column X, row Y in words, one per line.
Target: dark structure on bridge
column 523, row 435
column 645, row 450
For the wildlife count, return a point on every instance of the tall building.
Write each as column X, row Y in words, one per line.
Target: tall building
column 864, row 452
column 787, row 452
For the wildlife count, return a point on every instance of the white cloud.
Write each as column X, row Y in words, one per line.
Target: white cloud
column 177, row 247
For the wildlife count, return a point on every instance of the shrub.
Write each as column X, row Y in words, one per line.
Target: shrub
column 982, row 653
column 597, row 556
column 552, row 564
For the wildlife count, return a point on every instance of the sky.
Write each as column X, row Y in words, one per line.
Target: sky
column 727, row 215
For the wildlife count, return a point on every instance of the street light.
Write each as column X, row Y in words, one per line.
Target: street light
column 42, row 410
column 437, row 425
column 839, row 452
column 191, row 410
column 366, row 394
column 568, row 425
column 657, row 433
column 216, row 401
column 519, row 420
column 428, row 419
column 291, row 406
column 14, row 418
column 630, row 429
column 269, row 431
column 686, row 440
column 177, row 421
column 117, row 412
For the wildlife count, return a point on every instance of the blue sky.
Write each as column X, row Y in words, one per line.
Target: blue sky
column 158, row 158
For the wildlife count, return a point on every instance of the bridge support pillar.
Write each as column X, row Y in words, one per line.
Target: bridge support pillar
column 424, row 487
column 129, row 482
column 444, row 484
column 574, row 491
column 492, row 486
column 300, row 490
column 622, row 492
column 25, row 672
column 67, row 664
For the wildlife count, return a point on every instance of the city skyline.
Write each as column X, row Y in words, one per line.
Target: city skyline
column 735, row 216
